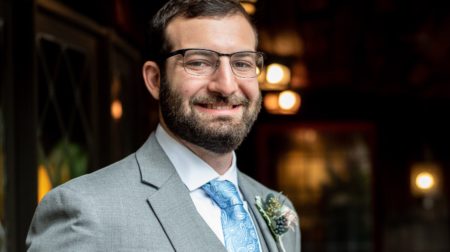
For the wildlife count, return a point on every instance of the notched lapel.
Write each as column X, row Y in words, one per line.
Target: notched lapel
column 171, row 203
column 180, row 220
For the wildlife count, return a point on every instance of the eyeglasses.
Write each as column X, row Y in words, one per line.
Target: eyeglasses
column 204, row 62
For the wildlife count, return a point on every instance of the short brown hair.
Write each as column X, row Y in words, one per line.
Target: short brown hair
column 157, row 44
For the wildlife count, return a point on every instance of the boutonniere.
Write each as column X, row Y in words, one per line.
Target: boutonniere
column 278, row 216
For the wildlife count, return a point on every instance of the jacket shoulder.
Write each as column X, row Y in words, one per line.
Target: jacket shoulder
column 120, row 173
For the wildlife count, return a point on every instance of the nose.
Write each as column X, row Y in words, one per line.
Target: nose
column 223, row 80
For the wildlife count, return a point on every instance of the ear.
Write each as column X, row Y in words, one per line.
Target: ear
column 152, row 78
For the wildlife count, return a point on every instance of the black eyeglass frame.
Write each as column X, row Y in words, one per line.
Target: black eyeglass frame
column 229, row 55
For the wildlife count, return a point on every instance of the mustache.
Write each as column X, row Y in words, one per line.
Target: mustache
column 218, row 98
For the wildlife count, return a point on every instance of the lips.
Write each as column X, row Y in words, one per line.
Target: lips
column 215, row 106
column 219, row 103
column 219, row 110
column 219, row 106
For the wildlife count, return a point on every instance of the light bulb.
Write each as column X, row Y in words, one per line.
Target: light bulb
column 288, row 100
column 425, row 181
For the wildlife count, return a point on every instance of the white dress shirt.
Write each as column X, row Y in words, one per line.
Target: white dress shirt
column 194, row 172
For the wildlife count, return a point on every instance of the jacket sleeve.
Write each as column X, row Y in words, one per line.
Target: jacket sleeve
column 65, row 220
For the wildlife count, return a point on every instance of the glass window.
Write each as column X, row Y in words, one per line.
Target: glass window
column 64, row 129
column 326, row 170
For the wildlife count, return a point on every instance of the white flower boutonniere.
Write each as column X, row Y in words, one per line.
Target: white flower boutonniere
column 279, row 217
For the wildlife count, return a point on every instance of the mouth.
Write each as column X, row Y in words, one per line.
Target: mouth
column 219, row 106
column 219, row 109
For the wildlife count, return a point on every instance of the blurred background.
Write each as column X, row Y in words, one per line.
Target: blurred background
column 352, row 129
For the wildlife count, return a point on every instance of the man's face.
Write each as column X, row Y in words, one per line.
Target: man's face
column 214, row 112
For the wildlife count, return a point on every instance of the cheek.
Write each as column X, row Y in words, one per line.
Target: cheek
column 187, row 86
column 250, row 89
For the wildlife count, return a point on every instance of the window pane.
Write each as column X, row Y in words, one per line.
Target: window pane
column 326, row 170
column 64, row 132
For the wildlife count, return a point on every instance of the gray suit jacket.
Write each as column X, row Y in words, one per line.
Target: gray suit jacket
column 136, row 204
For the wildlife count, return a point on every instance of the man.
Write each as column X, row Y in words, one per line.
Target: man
column 203, row 71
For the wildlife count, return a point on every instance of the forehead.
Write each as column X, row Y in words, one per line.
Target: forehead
column 226, row 34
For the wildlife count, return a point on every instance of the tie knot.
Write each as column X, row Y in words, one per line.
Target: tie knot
column 223, row 192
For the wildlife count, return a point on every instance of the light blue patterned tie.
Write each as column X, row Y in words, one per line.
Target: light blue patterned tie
column 238, row 230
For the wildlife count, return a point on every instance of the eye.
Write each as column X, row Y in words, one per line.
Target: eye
column 198, row 64
column 243, row 64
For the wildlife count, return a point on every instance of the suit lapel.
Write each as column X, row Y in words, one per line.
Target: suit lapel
column 172, row 204
column 250, row 192
column 183, row 225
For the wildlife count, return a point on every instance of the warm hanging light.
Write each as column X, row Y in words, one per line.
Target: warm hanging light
column 274, row 73
column 278, row 74
column 425, row 181
column 425, row 178
column 116, row 109
column 289, row 101
column 286, row 102
column 271, row 102
column 249, row 7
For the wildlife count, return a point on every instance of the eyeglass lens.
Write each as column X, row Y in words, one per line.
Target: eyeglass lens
column 204, row 62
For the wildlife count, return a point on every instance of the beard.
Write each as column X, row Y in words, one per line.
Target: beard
column 219, row 134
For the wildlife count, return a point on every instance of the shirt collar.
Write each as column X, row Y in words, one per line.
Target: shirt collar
column 193, row 171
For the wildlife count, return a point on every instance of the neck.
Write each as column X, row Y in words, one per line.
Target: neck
column 220, row 162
